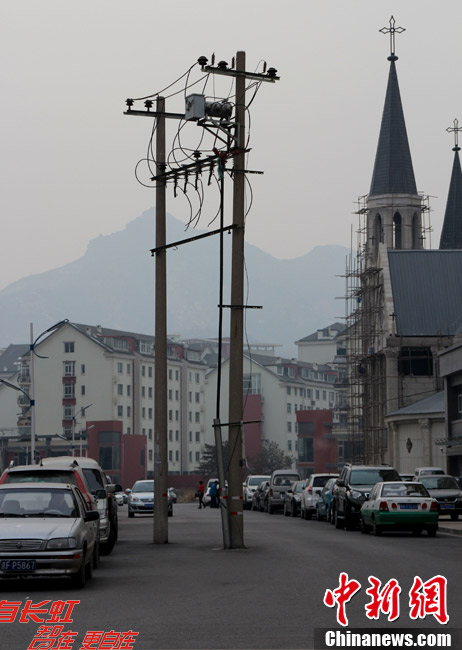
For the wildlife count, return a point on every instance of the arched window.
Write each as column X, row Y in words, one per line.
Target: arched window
column 397, row 231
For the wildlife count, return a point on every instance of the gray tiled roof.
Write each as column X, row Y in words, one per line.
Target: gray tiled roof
column 433, row 404
column 451, row 233
column 393, row 171
column 10, row 356
column 427, row 291
column 336, row 327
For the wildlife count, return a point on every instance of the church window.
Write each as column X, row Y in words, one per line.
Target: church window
column 416, row 361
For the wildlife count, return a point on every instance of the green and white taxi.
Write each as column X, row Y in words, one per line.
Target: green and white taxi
column 404, row 505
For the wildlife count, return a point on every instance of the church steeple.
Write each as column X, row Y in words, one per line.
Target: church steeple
column 394, row 208
column 393, row 171
column 451, row 234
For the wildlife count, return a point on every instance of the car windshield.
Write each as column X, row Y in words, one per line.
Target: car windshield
column 43, row 476
column 256, row 480
column 144, row 486
column 440, row 483
column 320, row 481
column 42, row 502
column 373, row 476
column 404, row 490
column 285, row 479
column 298, row 486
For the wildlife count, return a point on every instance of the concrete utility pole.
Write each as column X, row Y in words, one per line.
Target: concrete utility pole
column 160, row 349
column 236, row 330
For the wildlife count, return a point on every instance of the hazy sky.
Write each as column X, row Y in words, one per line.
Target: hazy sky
column 68, row 153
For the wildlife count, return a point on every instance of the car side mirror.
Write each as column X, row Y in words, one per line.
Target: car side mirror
column 91, row 515
column 100, row 494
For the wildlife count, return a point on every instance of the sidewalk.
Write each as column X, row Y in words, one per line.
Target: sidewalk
column 449, row 527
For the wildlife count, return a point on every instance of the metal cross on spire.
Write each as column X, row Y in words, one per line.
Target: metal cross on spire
column 455, row 129
column 392, row 30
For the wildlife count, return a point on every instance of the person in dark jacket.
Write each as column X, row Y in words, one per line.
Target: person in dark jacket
column 200, row 494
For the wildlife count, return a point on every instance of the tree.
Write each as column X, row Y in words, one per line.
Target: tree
column 269, row 458
column 208, row 466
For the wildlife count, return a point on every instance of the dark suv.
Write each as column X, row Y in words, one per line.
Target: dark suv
column 353, row 487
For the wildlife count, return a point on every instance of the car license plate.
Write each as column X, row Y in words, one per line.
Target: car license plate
column 408, row 506
column 18, row 566
column 149, row 506
column 447, row 506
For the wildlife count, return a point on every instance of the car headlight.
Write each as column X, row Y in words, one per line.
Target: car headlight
column 356, row 495
column 61, row 543
column 134, row 498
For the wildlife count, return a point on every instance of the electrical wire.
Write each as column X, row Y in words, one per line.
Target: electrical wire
column 140, row 99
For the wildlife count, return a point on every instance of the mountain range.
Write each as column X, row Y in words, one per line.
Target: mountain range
column 112, row 285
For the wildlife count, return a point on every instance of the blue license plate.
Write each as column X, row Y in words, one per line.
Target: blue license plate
column 148, row 506
column 18, row 566
column 447, row 506
column 408, row 506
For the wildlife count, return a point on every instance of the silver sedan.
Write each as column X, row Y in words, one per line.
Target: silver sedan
column 46, row 530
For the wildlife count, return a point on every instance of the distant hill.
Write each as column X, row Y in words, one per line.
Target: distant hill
column 113, row 285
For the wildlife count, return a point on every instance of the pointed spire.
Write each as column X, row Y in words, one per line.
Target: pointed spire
column 393, row 171
column 451, row 233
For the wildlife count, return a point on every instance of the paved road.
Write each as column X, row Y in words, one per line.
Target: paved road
column 192, row 594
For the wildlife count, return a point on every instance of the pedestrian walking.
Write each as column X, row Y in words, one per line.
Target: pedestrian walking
column 213, row 491
column 200, row 494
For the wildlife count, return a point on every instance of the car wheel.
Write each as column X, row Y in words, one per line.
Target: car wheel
column 337, row 521
column 108, row 546
column 308, row 514
column 431, row 531
column 302, row 513
column 285, row 511
column 362, row 526
column 376, row 529
column 294, row 510
column 79, row 578
column 349, row 524
column 131, row 514
column 95, row 556
column 319, row 517
column 454, row 516
column 89, row 570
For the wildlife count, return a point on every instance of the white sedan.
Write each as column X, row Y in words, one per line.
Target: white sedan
column 403, row 505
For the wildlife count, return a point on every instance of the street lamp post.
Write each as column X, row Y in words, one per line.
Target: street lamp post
column 74, row 419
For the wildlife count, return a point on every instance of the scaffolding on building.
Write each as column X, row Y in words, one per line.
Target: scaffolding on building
column 366, row 330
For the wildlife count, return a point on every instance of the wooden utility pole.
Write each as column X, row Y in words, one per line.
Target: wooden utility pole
column 236, row 330
column 160, row 345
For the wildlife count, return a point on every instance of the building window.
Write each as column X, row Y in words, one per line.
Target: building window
column 309, row 393
column 289, row 427
column 120, row 368
column 198, row 436
column 143, row 391
column 197, row 397
column 177, row 416
column 82, row 369
column 190, row 396
column 150, row 434
column 288, row 390
column 198, row 456
column 68, row 412
column 177, row 395
column 459, row 406
column 69, row 391
column 82, row 390
column 69, row 347
column 143, row 371
column 143, row 412
column 251, row 384
column 170, row 455
column 190, row 436
column 197, row 416
column 197, row 378
column 416, row 361
column 170, row 434
column 129, row 430
column 324, row 395
column 190, row 456
column 170, row 394
column 317, row 394
column 150, row 371
column 150, row 455
column 177, row 374
column 177, row 435
column 120, row 389
column 170, row 374
column 129, row 390
column 289, row 445
column 170, row 415
column 150, row 414
column 69, row 368
column 177, row 455
column 289, row 408
column 120, row 411
column 150, row 392
column 305, row 450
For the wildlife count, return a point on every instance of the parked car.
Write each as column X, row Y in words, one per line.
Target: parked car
column 420, row 472
column 447, row 493
column 310, row 495
column 258, row 498
column 406, row 477
column 249, row 486
column 101, row 489
column 47, row 531
column 71, row 474
column 141, row 499
column 324, row 503
column 120, row 498
column 399, row 506
column 353, row 487
column 292, row 499
column 280, row 482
